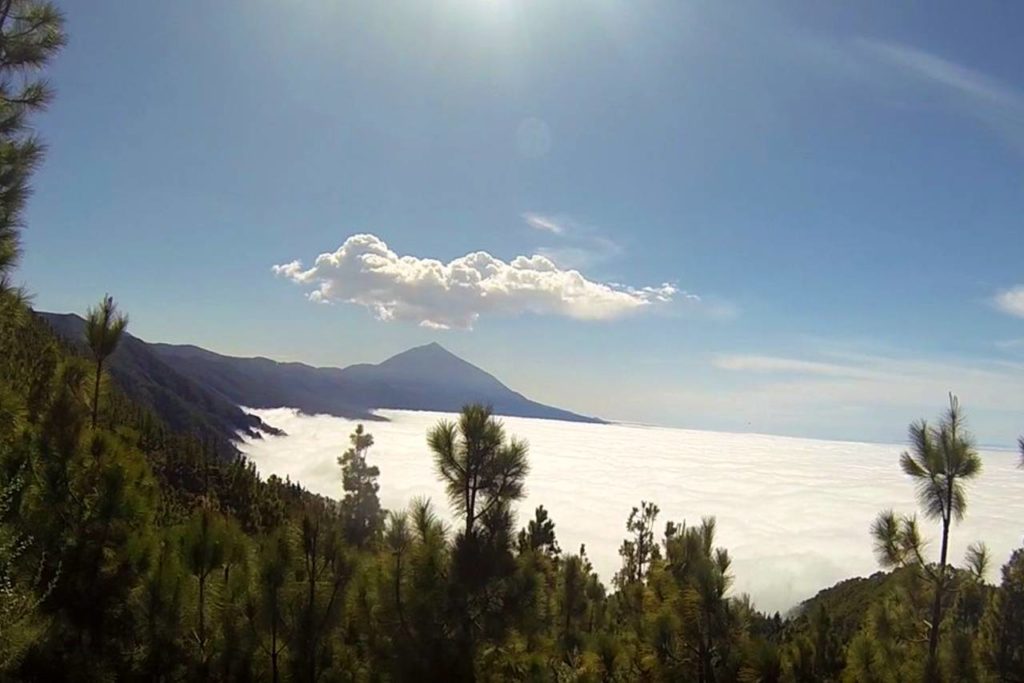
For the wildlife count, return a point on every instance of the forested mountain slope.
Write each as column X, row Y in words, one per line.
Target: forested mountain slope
column 134, row 548
column 191, row 387
column 423, row 378
column 184, row 404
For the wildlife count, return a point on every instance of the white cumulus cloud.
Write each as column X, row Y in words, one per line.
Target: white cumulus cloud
column 1011, row 301
column 364, row 271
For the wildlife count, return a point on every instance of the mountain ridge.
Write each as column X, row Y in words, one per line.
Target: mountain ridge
column 194, row 388
column 186, row 406
column 425, row 377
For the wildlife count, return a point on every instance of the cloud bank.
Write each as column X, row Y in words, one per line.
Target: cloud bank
column 453, row 295
column 1011, row 301
column 794, row 513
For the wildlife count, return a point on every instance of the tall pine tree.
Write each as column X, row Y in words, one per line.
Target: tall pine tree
column 31, row 33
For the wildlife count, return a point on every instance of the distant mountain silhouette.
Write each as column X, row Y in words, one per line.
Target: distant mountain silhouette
column 192, row 388
column 423, row 378
column 432, row 378
column 183, row 404
column 264, row 383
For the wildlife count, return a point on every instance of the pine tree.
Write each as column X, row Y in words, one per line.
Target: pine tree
column 204, row 549
column 31, row 34
column 816, row 656
column 267, row 608
column 573, row 603
column 162, row 603
column 943, row 458
column 701, row 572
column 484, row 473
column 91, row 509
column 638, row 551
column 324, row 570
column 104, row 326
column 539, row 534
column 361, row 513
column 480, row 469
column 416, row 598
column 1002, row 630
column 20, row 620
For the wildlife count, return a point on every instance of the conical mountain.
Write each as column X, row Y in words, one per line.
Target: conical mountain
column 185, row 382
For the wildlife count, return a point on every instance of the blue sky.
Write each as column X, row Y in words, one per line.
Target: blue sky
column 800, row 218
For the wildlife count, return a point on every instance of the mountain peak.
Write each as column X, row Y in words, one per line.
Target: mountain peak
column 206, row 386
column 431, row 349
column 427, row 353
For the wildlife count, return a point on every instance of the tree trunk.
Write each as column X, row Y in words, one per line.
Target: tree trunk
column 96, row 392
column 399, row 607
column 202, row 624
column 707, row 674
column 568, row 623
column 311, row 618
column 702, row 670
column 273, row 644
column 940, row 588
column 471, row 505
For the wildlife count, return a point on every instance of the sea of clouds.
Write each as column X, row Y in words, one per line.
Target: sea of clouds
column 793, row 513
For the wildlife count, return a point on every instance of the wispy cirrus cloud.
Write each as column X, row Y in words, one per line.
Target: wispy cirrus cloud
column 1010, row 301
column 989, row 100
column 781, row 365
column 589, row 253
column 575, row 245
column 578, row 245
column 1010, row 344
column 844, row 387
column 886, row 65
column 431, row 293
column 945, row 72
column 546, row 223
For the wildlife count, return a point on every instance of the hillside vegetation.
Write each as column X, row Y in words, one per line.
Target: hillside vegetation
column 134, row 546
column 128, row 551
